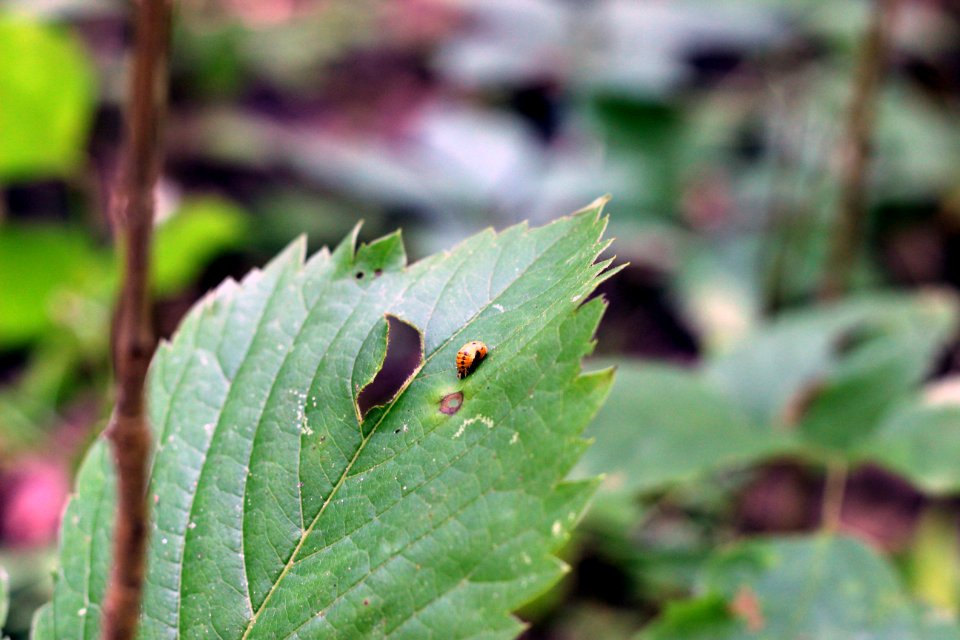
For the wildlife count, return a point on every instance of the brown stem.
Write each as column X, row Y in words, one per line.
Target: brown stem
column 133, row 344
column 834, row 488
column 851, row 212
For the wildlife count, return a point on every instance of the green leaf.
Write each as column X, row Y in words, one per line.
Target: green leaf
column 849, row 403
column 823, row 587
column 276, row 512
column 707, row 618
column 200, row 230
column 85, row 541
column 4, row 596
column 922, row 443
column 39, row 264
column 850, row 363
column 932, row 562
column 47, row 91
column 663, row 425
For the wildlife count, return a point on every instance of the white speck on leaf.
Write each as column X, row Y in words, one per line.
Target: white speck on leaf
column 557, row 528
column 477, row 418
column 515, row 437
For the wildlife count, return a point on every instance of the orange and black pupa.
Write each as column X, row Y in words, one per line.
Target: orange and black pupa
column 469, row 357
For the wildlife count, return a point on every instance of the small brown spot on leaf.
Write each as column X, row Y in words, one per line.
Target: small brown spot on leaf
column 746, row 605
column 800, row 403
column 366, row 602
column 451, row 403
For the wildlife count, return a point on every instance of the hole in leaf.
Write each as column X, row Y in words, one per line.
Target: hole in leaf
column 404, row 356
column 359, row 275
column 450, row 404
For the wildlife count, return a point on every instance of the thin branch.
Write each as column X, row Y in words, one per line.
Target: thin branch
column 134, row 342
column 849, row 224
column 834, row 488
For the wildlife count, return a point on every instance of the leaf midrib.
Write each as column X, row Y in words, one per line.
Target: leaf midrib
column 450, row 516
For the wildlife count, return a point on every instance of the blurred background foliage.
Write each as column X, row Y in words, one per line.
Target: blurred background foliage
column 718, row 126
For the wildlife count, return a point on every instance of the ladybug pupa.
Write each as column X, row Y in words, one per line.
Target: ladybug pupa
column 469, row 357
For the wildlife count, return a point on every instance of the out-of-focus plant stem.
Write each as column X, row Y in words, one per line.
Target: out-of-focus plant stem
column 849, row 223
column 133, row 210
column 834, row 488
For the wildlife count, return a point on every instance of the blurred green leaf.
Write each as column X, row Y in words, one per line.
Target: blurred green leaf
column 663, row 424
column 824, row 587
column 872, row 378
column 933, row 559
column 29, row 585
column 185, row 243
column 642, row 134
column 922, row 443
column 36, row 264
column 850, row 401
column 4, row 596
column 839, row 367
column 209, row 58
column 31, row 403
column 594, row 621
column 47, row 92
column 665, row 568
column 718, row 289
column 706, row 618
column 917, row 145
column 283, row 213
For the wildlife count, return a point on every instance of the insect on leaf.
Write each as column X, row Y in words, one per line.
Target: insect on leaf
column 283, row 510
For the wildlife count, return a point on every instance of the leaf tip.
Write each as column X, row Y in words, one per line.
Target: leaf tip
column 344, row 252
column 596, row 206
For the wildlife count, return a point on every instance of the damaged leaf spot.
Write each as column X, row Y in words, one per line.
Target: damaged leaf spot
column 403, row 358
column 451, row 403
column 466, row 423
